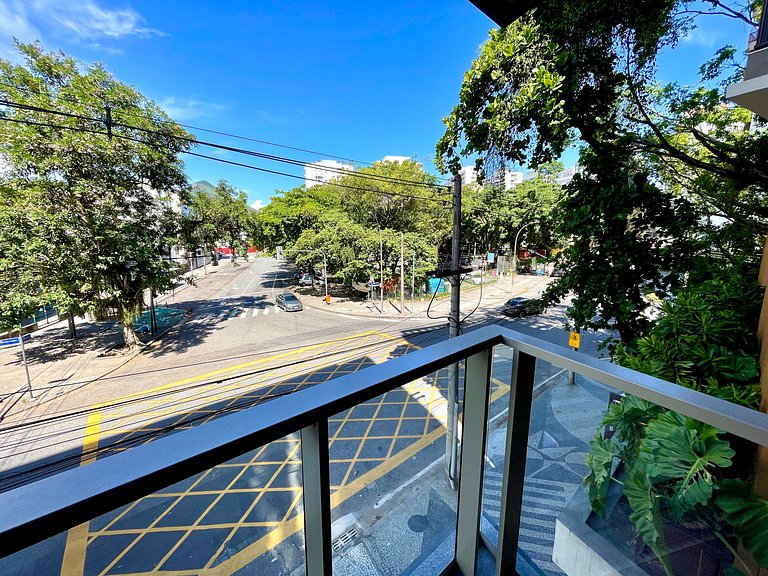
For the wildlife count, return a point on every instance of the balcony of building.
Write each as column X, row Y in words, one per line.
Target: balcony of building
column 349, row 477
column 752, row 91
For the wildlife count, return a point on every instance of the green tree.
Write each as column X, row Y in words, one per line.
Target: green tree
column 349, row 217
column 399, row 196
column 222, row 216
column 101, row 208
column 575, row 73
column 290, row 212
column 354, row 252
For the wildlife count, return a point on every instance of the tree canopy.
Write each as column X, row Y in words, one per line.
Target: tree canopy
column 90, row 215
column 221, row 216
column 660, row 160
column 357, row 216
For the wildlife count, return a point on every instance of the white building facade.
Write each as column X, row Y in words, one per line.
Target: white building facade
column 324, row 171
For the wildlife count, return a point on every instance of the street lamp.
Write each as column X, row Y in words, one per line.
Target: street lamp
column 514, row 250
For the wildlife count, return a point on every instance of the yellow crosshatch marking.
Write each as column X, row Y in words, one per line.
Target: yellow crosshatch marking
column 221, row 520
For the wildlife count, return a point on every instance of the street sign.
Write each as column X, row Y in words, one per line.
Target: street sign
column 13, row 341
column 374, row 284
column 490, row 257
column 574, row 339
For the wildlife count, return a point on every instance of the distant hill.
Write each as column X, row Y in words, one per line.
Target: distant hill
column 203, row 185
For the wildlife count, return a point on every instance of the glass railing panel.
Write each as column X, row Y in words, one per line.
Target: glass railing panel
column 674, row 504
column 243, row 514
column 564, row 418
column 393, row 509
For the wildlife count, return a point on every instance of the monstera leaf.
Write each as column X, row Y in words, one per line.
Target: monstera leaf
column 599, row 461
column 646, row 514
column 748, row 514
column 683, row 454
column 630, row 417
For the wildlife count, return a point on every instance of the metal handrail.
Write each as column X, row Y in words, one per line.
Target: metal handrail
column 49, row 506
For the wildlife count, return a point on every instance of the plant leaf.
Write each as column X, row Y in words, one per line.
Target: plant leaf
column 646, row 515
column 748, row 514
column 599, row 461
column 684, row 452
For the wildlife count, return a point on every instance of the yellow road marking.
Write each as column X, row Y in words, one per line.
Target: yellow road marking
column 243, row 516
column 232, row 369
column 73, row 562
column 288, row 527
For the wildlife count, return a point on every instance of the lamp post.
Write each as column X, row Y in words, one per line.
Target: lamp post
column 514, row 249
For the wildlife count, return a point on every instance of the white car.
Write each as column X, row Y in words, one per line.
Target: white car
column 475, row 278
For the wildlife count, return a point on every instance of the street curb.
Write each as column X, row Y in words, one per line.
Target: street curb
column 328, row 309
column 371, row 316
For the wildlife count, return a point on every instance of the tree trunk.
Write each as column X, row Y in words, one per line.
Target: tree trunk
column 132, row 341
column 72, row 328
column 128, row 315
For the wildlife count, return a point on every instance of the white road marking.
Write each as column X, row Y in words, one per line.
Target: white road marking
column 255, row 277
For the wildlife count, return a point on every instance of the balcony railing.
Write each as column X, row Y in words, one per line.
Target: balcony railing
column 37, row 511
column 762, row 30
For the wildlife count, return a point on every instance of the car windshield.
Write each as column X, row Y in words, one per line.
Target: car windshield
column 515, row 301
column 290, row 298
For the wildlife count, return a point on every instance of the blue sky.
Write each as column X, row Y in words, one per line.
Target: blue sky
column 355, row 79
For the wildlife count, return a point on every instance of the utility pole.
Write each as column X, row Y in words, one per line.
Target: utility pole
column 381, row 272
column 402, row 273
column 452, row 437
column 152, row 317
column 413, row 284
column 325, row 278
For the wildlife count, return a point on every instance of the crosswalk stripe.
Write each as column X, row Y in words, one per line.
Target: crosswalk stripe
column 256, row 311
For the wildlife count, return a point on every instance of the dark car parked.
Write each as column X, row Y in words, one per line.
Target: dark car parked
column 289, row 302
column 522, row 307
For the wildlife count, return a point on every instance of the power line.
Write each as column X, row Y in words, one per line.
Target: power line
column 293, row 161
column 222, row 160
column 230, row 162
column 221, row 133
column 191, row 387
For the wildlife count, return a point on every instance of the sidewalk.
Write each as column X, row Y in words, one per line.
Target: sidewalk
column 59, row 365
column 493, row 294
column 564, row 420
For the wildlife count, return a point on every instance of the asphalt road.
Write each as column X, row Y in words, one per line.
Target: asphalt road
column 246, row 514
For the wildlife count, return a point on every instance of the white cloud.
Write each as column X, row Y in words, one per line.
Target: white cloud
column 183, row 109
column 89, row 20
column 257, row 205
column 705, row 38
column 73, row 20
column 15, row 21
